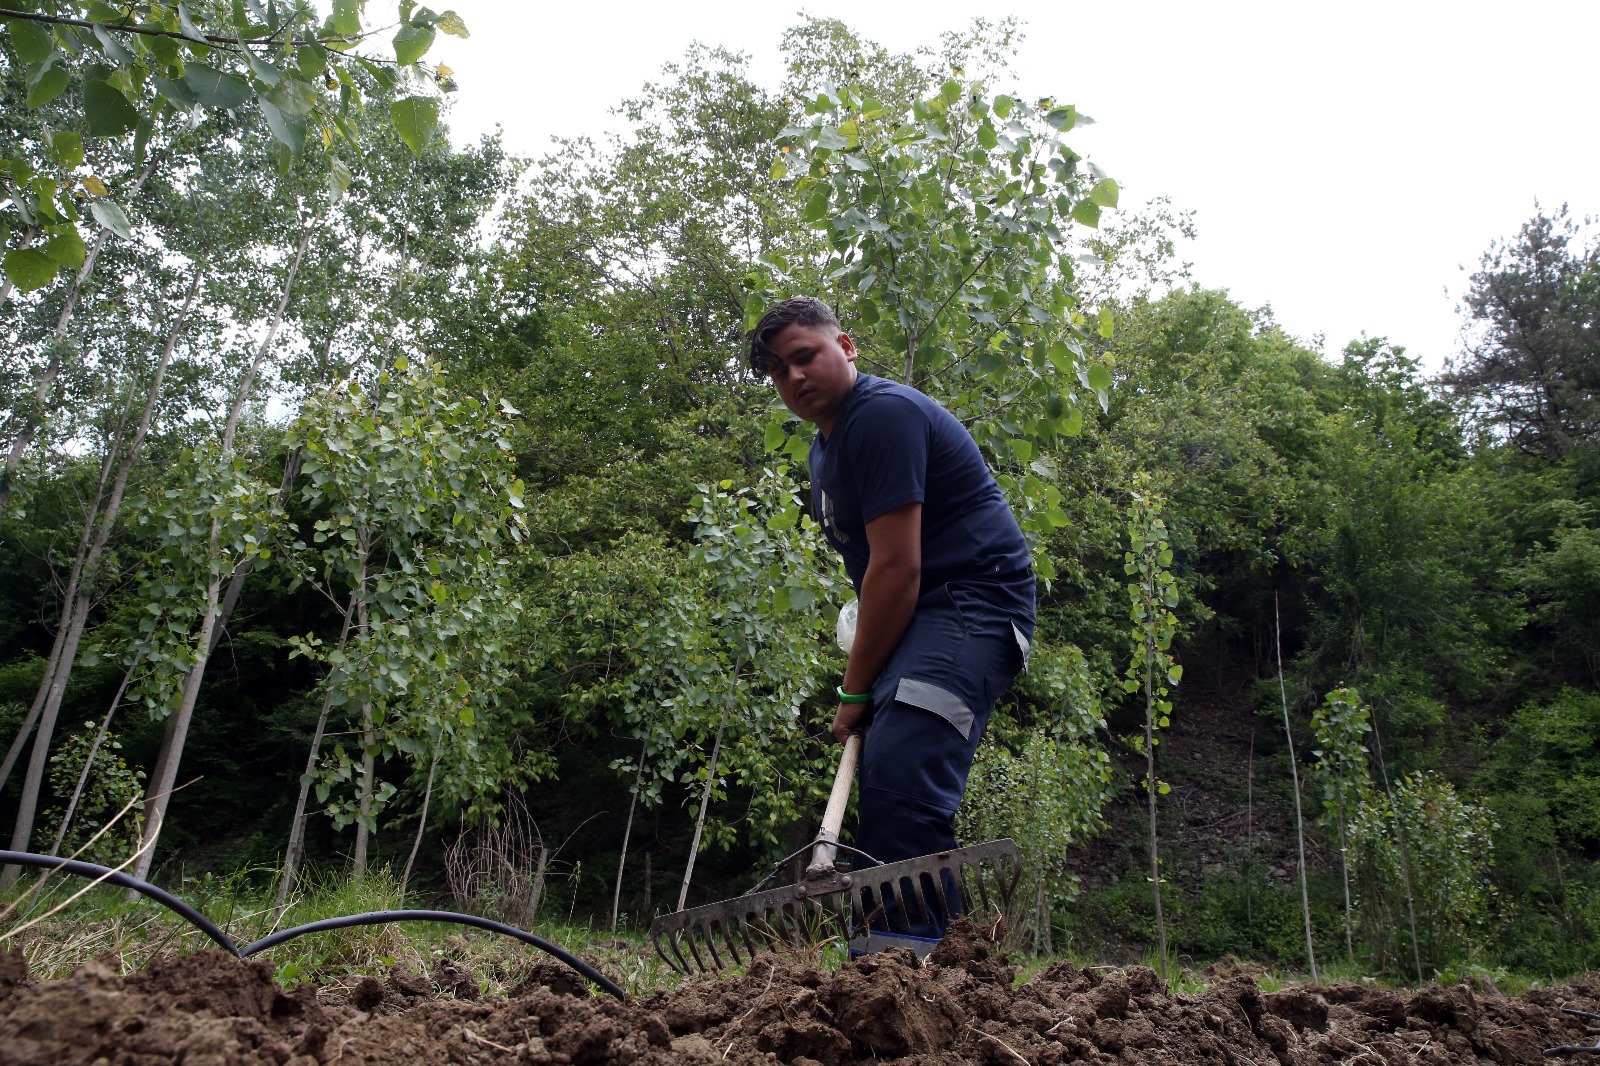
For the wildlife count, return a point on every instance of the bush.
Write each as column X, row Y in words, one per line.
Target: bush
column 1442, row 847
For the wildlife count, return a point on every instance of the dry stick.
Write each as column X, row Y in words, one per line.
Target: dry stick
column 705, row 803
column 422, row 819
column 165, row 773
column 627, row 832
column 1294, row 773
column 1250, row 823
column 94, row 749
column 1405, row 851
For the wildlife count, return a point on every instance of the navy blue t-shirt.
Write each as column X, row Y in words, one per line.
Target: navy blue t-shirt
column 892, row 446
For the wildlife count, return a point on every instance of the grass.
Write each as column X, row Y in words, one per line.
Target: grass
column 129, row 935
column 101, row 925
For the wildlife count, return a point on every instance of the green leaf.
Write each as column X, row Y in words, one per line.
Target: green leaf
column 451, row 23
column 799, row 598
column 817, row 207
column 346, row 18
column 412, row 43
column 186, row 25
column 29, row 268
column 177, row 92
column 31, row 42
column 215, row 88
column 106, row 110
column 339, row 178
column 1003, row 105
column 113, row 48
column 1108, row 322
column 269, row 74
column 1062, row 118
column 415, row 118
column 775, row 436
column 293, row 97
column 65, row 246
column 289, row 131
column 1087, row 212
column 110, row 217
column 1099, row 376
column 66, row 148
column 50, row 84
column 1105, row 193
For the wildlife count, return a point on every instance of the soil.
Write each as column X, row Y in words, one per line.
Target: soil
column 964, row 1005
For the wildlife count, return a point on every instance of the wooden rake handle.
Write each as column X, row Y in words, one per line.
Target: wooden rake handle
column 833, row 817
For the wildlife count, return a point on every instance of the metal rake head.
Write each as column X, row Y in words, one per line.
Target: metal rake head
column 842, row 904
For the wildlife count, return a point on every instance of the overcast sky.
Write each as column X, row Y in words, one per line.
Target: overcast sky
column 1343, row 161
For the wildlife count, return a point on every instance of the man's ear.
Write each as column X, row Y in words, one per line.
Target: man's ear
column 849, row 347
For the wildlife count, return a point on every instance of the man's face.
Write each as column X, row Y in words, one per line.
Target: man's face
column 812, row 366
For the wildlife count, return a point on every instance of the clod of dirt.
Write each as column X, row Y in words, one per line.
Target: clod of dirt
column 889, row 1007
column 542, row 973
column 13, row 970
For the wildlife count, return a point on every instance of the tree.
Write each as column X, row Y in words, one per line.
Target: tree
column 1151, row 667
column 144, row 66
column 1532, row 371
column 414, row 506
column 1340, row 725
column 1423, row 840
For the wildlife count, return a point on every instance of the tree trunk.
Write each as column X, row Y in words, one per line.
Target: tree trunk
column 1294, row 774
column 295, row 849
column 158, row 792
column 627, row 833
column 705, row 804
column 1150, row 792
column 369, row 769
column 422, row 819
column 241, row 570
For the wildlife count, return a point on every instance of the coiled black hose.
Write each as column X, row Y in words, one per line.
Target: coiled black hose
column 222, row 940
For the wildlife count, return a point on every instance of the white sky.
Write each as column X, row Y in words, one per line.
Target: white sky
column 1344, row 161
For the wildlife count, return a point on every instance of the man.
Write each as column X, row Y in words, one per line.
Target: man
column 940, row 567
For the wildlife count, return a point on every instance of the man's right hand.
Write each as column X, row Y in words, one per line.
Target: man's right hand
column 850, row 718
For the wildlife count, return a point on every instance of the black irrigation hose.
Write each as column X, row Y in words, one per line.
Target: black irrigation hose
column 385, row 917
column 117, row 877
column 210, row 929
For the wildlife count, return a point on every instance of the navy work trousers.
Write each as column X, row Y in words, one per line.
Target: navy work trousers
column 931, row 704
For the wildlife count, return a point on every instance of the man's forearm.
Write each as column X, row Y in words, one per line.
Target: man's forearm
column 888, row 599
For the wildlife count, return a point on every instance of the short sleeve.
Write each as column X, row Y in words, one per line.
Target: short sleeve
column 888, row 455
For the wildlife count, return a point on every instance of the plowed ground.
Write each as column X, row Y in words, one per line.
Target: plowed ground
column 963, row 1006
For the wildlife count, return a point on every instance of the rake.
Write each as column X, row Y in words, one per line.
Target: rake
column 872, row 906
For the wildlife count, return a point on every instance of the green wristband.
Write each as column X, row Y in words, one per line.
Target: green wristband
column 848, row 697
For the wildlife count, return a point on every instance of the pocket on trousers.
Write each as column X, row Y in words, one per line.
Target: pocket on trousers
column 942, row 702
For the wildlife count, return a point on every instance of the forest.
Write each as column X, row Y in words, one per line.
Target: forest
column 379, row 510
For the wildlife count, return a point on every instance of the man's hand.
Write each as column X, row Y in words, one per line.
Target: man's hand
column 849, row 718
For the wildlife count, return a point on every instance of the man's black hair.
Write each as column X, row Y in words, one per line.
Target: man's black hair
column 795, row 311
